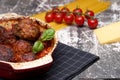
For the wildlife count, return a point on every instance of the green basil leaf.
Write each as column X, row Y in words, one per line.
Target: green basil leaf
column 48, row 34
column 37, row 47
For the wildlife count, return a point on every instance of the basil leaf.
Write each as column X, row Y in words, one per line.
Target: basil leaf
column 48, row 34
column 37, row 47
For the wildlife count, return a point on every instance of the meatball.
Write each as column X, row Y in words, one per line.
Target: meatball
column 26, row 29
column 9, row 37
column 23, row 57
column 6, row 37
column 22, row 47
column 2, row 31
column 28, row 57
column 22, row 51
column 6, row 52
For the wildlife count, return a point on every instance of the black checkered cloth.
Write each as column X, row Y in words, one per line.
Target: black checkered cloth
column 68, row 62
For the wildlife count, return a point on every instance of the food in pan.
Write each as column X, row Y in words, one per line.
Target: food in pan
column 24, row 39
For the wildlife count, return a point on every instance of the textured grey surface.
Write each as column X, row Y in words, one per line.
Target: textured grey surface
column 81, row 38
column 85, row 39
column 108, row 65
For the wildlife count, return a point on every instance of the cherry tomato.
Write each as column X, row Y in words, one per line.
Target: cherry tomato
column 89, row 14
column 79, row 20
column 58, row 17
column 55, row 10
column 49, row 17
column 64, row 10
column 77, row 11
column 68, row 18
column 92, row 23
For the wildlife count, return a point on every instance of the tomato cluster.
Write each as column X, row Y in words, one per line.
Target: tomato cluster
column 75, row 16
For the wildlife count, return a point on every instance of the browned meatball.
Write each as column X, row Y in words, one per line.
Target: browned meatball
column 6, row 37
column 6, row 52
column 26, row 29
column 22, row 47
column 23, row 57
column 9, row 37
column 22, row 51
column 28, row 57
column 2, row 31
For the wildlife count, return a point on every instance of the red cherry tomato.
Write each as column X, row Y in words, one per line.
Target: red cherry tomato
column 79, row 20
column 77, row 11
column 55, row 10
column 58, row 17
column 49, row 17
column 68, row 18
column 92, row 23
column 64, row 10
column 89, row 14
